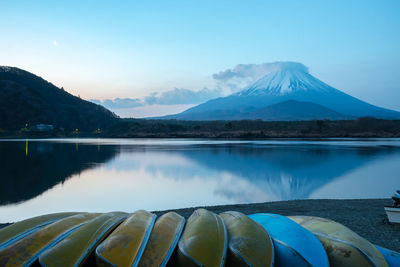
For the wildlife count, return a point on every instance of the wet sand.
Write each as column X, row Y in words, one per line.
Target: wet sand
column 365, row 216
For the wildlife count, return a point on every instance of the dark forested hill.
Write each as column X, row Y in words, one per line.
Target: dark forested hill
column 28, row 99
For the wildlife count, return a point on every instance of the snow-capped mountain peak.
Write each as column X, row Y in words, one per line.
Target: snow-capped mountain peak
column 287, row 92
column 288, row 77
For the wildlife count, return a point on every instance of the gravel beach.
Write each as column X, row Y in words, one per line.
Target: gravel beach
column 364, row 216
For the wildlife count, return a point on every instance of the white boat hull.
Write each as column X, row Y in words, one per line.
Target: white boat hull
column 393, row 214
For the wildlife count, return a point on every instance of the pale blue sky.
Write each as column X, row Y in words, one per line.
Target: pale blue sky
column 104, row 49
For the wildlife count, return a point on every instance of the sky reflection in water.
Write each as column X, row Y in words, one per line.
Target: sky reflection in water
column 45, row 176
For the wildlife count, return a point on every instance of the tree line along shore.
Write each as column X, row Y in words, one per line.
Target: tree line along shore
column 143, row 128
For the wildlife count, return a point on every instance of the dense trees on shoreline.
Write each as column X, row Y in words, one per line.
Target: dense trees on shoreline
column 125, row 128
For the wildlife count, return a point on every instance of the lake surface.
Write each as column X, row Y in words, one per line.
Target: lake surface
column 54, row 175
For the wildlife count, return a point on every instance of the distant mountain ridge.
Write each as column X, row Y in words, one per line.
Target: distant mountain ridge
column 28, row 99
column 296, row 110
column 290, row 81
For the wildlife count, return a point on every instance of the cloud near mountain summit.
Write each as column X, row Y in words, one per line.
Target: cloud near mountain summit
column 182, row 96
column 242, row 75
column 177, row 96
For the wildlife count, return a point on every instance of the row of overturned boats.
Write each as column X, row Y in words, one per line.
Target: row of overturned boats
column 205, row 239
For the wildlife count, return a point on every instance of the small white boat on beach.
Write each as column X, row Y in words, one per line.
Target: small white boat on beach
column 393, row 212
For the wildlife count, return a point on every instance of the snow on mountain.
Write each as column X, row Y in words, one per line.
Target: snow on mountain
column 288, row 78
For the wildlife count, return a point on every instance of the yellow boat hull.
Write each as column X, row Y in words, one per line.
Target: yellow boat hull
column 19, row 230
column 343, row 246
column 249, row 243
column 26, row 250
column 75, row 249
column 204, row 241
column 125, row 245
column 163, row 240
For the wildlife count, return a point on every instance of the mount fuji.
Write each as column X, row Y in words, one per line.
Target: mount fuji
column 289, row 92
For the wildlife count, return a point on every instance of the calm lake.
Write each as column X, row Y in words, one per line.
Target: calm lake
column 54, row 175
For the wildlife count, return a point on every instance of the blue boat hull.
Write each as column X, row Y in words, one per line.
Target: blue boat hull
column 286, row 256
column 391, row 257
column 294, row 245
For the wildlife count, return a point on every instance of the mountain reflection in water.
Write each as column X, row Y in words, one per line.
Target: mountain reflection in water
column 102, row 175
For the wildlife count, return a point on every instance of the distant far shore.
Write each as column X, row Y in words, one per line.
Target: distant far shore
column 364, row 216
column 236, row 129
